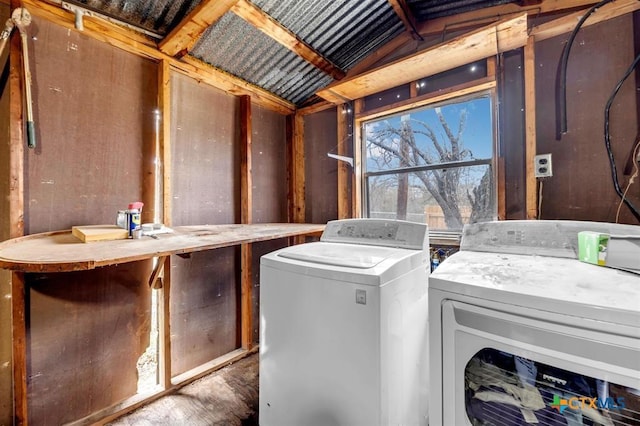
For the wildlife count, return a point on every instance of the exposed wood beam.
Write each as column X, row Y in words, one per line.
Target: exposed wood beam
column 256, row 17
column 246, row 181
column 567, row 23
column 246, row 196
column 19, row 287
column 357, row 180
column 164, row 109
column 487, row 15
column 295, row 163
column 483, row 43
column 140, row 45
column 344, row 212
column 317, row 107
column 183, row 37
column 401, row 9
column 164, row 293
column 531, row 193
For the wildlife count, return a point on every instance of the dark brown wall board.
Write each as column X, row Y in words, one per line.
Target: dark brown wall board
column 203, row 307
column 269, row 190
column 269, row 166
column 511, row 126
column 86, row 332
column 581, row 187
column 6, row 404
column 321, row 171
column 259, row 250
column 94, row 116
column 205, row 170
column 205, row 190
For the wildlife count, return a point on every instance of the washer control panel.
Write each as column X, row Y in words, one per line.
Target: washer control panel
column 377, row 232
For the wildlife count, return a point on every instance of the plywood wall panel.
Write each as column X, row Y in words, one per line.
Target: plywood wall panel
column 581, row 187
column 205, row 190
column 320, row 137
column 94, row 112
column 87, row 331
column 205, row 169
column 203, row 307
column 512, row 131
column 269, row 191
column 269, row 166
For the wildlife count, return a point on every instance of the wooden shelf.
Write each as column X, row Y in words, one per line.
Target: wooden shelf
column 62, row 252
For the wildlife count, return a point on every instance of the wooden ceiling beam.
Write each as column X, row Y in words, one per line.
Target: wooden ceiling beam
column 567, row 23
column 401, row 9
column 488, row 41
column 136, row 43
column 183, row 37
column 265, row 23
column 476, row 18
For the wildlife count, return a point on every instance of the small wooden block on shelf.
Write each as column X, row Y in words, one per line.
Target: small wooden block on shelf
column 90, row 233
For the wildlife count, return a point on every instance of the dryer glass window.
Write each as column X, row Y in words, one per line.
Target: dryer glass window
column 505, row 389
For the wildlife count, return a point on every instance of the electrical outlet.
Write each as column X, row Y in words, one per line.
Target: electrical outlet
column 542, row 165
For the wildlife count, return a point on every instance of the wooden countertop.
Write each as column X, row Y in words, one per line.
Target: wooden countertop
column 62, row 252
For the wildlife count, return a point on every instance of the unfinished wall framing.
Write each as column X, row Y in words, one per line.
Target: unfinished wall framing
column 97, row 151
column 581, row 187
column 87, row 330
column 6, row 393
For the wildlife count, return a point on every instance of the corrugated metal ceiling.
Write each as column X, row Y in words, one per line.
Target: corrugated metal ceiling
column 159, row 16
column 432, row 9
column 342, row 31
column 258, row 59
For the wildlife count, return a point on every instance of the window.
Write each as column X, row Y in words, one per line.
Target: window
column 432, row 164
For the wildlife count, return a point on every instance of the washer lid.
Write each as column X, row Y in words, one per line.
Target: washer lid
column 347, row 255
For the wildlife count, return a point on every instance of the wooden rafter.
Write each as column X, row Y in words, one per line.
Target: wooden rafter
column 567, row 23
column 465, row 21
column 505, row 35
column 140, row 45
column 256, row 17
column 487, row 15
column 182, row 38
column 404, row 13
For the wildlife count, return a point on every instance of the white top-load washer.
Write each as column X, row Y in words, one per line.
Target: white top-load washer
column 522, row 332
column 343, row 338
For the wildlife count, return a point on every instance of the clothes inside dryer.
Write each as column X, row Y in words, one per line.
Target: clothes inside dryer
column 505, row 389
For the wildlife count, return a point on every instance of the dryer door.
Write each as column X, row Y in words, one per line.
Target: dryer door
column 505, row 365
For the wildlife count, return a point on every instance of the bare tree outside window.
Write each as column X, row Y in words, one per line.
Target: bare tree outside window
column 433, row 161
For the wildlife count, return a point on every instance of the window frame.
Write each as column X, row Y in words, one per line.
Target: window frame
column 470, row 90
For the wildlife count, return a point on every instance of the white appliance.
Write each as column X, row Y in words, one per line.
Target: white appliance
column 521, row 332
column 343, row 337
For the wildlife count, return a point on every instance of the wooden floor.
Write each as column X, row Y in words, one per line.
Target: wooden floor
column 226, row 397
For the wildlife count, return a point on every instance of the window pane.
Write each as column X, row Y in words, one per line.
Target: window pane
column 459, row 131
column 445, row 199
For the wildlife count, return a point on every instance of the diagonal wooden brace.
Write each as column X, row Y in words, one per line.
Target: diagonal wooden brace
column 155, row 281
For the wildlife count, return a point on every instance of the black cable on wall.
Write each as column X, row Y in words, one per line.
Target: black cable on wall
column 561, row 83
column 607, row 139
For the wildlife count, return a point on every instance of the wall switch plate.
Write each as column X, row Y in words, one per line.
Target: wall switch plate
column 542, row 166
